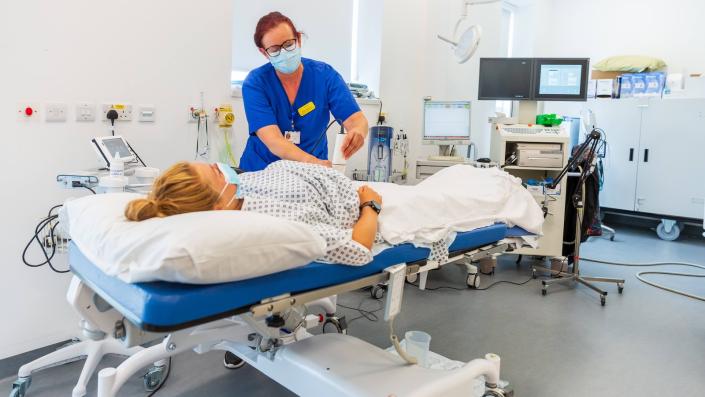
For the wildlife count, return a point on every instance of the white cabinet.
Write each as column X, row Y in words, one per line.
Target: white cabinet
column 654, row 161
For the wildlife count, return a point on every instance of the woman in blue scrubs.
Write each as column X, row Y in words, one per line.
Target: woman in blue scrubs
column 288, row 101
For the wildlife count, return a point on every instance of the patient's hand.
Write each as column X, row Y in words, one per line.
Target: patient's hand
column 367, row 194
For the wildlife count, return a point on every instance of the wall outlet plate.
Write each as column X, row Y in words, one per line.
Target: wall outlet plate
column 124, row 111
column 55, row 112
column 145, row 113
column 194, row 111
column 85, row 111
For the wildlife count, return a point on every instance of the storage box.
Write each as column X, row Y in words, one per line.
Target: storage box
column 638, row 84
column 604, row 88
column 624, row 82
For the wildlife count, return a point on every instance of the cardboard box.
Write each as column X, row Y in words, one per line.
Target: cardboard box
column 598, row 75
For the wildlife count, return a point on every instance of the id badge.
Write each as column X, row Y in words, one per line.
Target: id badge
column 293, row 137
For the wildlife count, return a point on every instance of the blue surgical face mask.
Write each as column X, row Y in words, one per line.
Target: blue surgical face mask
column 231, row 178
column 287, row 61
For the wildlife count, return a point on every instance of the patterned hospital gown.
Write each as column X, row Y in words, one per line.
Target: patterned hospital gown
column 318, row 196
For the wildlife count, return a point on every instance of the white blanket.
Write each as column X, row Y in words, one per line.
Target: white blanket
column 458, row 198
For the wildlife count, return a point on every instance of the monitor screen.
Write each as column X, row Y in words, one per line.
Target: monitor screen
column 446, row 121
column 560, row 79
column 505, row 79
column 117, row 145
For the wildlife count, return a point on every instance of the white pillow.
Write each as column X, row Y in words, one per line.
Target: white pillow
column 197, row 248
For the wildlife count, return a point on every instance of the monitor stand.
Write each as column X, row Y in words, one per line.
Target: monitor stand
column 527, row 111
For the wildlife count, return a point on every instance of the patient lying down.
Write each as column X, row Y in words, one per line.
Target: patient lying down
column 318, row 196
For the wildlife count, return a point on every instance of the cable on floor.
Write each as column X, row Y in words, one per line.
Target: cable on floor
column 475, row 289
column 369, row 315
column 640, row 275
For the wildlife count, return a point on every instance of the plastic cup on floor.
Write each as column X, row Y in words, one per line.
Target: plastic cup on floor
column 417, row 345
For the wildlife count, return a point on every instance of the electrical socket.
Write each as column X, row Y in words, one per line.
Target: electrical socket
column 124, row 111
column 56, row 112
column 85, row 112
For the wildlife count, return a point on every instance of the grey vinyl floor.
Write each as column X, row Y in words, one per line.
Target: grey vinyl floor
column 646, row 342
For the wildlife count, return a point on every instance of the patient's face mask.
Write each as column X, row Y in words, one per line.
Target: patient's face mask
column 231, row 178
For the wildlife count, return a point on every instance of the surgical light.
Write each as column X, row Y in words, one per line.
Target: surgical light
column 465, row 45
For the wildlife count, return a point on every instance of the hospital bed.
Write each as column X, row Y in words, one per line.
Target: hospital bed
column 150, row 322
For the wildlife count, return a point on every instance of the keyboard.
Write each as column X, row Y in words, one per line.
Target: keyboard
column 532, row 130
column 446, row 158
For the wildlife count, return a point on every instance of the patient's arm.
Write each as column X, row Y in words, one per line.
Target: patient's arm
column 365, row 229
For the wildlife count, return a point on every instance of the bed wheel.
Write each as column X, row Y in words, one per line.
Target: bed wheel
column 231, row 361
column 473, row 280
column 335, row 325
column 603, row 300
column 154, row 377
column 543, row 291
column 411, row 278
column 377, row 292
column 20, row 386
column 620, row 287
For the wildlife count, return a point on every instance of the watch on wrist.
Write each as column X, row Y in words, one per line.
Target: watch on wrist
column 372, row 204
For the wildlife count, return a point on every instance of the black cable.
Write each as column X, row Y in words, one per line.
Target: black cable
column 320, row 138
column 166, row 376
column 37, row 229
column 89, row 188
column 475, row 289
column 369, row 315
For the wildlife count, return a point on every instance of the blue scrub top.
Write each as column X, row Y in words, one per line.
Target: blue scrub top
column 266, row 104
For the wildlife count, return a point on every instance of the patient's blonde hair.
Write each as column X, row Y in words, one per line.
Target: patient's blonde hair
column 178, row 190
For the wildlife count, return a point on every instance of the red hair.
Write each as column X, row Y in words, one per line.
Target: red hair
column 269, row 22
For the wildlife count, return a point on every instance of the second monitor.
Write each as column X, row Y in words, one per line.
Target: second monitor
column 446, row 123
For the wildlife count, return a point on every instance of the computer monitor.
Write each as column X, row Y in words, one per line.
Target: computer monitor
column 505, row 79
column 446, row 122
column 560, row 79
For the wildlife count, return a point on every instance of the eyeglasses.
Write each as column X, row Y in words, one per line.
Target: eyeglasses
column 288, row 45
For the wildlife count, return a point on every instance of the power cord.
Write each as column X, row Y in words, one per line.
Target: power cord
column 640, row 275
column 369, row 315
column 475, row 289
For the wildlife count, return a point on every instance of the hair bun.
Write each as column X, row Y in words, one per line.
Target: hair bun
column 141, row 209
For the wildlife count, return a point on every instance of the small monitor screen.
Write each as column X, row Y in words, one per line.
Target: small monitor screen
column 446, row 120
column 117, row 145
column 505, row 78
column 560, row 79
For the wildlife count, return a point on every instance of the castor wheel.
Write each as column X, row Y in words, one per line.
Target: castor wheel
column 620, row 287
column 473, row 280
column 544, row 292
column 154, row 378
column 411, row 278
column 377, row 292
column 603, row 300
column 335, row 325
column 669, row 234
column 231, row 361
column 20, row 386
column 533, row 274
column 612, row 238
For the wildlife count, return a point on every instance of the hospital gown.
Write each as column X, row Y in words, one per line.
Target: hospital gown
column 318, row 196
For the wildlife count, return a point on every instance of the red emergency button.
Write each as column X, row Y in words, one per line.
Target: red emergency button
column 28, row 111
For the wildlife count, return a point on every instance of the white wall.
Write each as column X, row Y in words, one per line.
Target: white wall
column 157, row 52
column 416, row 64
column 327, row 24
column 597, row 29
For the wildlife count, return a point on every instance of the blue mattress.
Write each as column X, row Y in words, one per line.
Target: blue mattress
column 164, row 306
